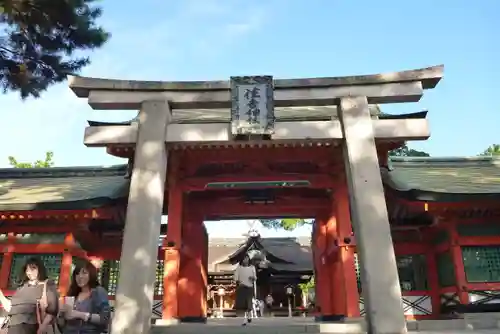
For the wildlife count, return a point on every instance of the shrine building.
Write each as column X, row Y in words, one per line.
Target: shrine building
column 393, row 238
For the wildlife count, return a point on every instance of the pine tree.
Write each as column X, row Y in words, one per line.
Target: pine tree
column 37, row 48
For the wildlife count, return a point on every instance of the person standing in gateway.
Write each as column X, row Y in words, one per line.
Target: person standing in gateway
column 245, row 276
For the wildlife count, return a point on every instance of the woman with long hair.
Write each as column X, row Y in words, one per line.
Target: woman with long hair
column 245, row 275
column 34, row 305
column 90, row 312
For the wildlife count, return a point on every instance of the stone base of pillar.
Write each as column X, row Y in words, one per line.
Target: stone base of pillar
column 330, row 318
column 187, row 320
column 196, row 320
column 343, row 328
column 167, row 322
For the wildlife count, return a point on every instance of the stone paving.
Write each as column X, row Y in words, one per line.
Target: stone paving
column 294, row 326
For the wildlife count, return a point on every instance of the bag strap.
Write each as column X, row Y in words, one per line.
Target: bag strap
column 43, row 300
column 42, row 304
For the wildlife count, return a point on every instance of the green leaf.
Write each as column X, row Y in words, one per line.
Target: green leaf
column 304, row 287
column 404, row 151
column 493, row 150
column 48, row 162
column 287, row 224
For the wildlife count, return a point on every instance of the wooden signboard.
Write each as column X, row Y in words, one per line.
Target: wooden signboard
column 252, row 110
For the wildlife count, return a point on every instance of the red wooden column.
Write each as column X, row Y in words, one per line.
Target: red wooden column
column 66, row 264
column 204, row 248
column 346, row 252
column 316, row 266
column 172, row 245
column 321, row 270
column 432, row 276
column 458, row 263
column 331, row 257
column 191, row 287
column 8, row 254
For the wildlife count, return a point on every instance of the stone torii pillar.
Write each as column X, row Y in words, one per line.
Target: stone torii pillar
column 379, row 272
column 134, row 297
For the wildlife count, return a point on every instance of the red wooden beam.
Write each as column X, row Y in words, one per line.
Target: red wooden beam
column 408, row 248
column 35, row 248
column 472, row 221
column 305, row 207
column 483, row 286
column 479, row 241
column 325, row 157
column 261, row 211
column 439, row 207
column 248, row 154
column 416, row 293
column 288, row 194
column 315, row 181
column 278, row 201
column 100, row 213
column 38, row 228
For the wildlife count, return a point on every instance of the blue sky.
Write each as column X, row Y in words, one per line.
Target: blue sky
column 214, row 39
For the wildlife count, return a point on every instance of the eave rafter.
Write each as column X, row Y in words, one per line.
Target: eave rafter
column 128, row 150
column 66, row 215
column 400, row 207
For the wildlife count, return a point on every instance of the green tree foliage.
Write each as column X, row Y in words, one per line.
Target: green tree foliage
column 287, row 224
column 40, row 39
column 405, row 151
column 48, row 162
column 304, row 287
column 492, row 150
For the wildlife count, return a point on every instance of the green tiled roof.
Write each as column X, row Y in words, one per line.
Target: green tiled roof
column 424, row 179
column 444, row 179
column 61, row 188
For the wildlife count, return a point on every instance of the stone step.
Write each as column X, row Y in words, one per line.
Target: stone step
column 260, row 327
column 308, row 325
column 482, row 320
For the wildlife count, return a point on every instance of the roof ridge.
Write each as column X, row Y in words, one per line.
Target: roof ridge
column 494, row 160
column 73, row 171
column 445, row 159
